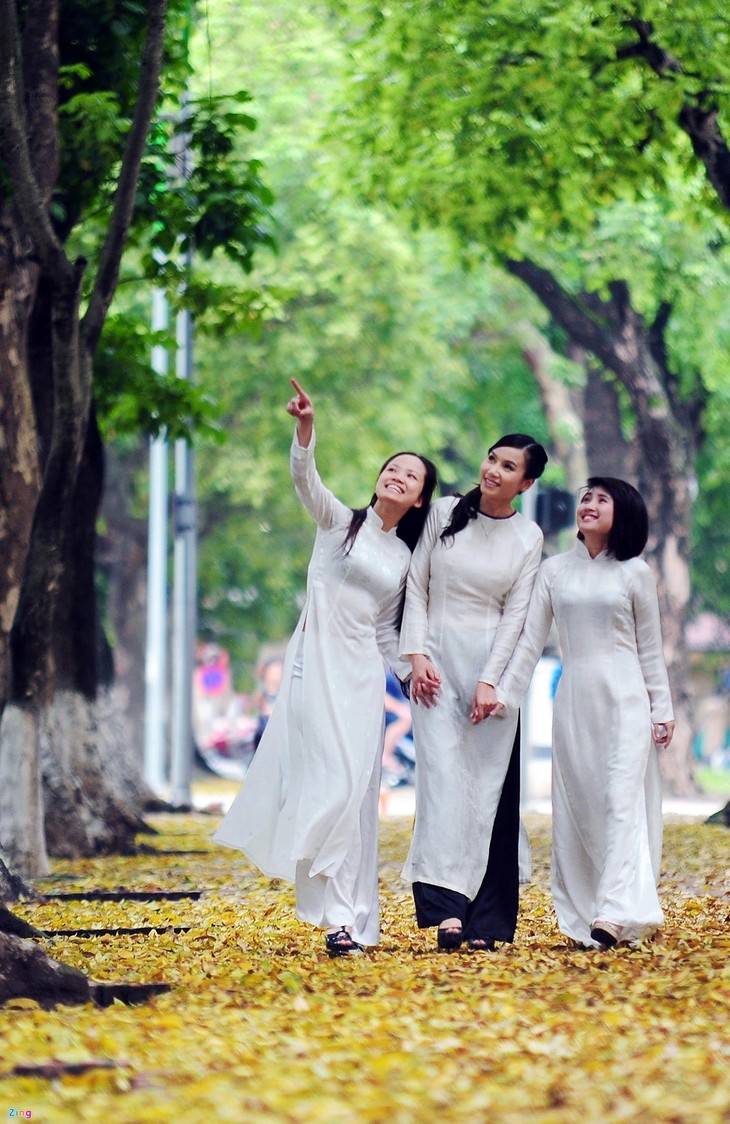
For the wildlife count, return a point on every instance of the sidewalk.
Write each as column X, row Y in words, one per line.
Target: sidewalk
column 402, row 802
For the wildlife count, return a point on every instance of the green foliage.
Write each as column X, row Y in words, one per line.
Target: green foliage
column 131, row 397
column 220, row 202
column 551, row 130
column 540, row 113
column 101, row 47
column 217, row 201
column 400, row 346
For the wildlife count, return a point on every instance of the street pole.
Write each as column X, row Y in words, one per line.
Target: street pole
column 185, row 553
column 156, row 644
column 184, row 592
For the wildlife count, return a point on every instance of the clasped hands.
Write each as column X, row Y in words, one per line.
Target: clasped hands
column 426, row 685
column 425, row 681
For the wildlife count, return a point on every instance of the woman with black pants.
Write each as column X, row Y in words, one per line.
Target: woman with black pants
column 468, row 591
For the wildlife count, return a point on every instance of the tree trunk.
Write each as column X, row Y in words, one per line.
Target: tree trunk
column 667, row 433
column 565, row 424
column 722, row 817
column 22, row 836
column 19, row 469
column 83, row 815
column 26, row 971
column 13, row 887
column 61, row 362
column 608, row 452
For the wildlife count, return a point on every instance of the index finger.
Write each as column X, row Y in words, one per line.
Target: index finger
column 298, row 388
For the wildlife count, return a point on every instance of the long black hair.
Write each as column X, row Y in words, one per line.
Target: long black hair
column 410, row 526
column 628, row 536
column 468, row 506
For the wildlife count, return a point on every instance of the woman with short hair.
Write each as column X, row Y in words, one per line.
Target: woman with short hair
column 612, row 708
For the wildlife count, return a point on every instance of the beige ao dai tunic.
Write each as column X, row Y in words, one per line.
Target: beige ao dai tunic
column 465, row 605
column 308, row 809
column 606, row 792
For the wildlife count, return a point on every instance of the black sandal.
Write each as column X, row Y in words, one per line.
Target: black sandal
column 450, row 938
column 481, row 944
column 341, row 943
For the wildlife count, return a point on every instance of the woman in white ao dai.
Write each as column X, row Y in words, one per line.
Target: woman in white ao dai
column 611, row 707
column 308, row 809
column 468, row 592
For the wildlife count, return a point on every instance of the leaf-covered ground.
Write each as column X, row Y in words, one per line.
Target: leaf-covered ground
column 262, row 1026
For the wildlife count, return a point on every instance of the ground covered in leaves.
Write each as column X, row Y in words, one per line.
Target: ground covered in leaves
column 260, row 1025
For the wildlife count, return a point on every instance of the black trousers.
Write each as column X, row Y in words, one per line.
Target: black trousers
column 493, row 912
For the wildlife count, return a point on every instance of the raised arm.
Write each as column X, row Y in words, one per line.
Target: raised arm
column 322, row 505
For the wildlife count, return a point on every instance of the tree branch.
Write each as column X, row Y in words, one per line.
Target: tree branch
column 613, row 331
column 27, row 193
column 710, row 146
column 698, row 117
column 590, row 321
column 40, row 52
column 107, row 276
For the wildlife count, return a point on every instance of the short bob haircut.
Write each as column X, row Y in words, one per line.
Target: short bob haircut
column 627, row 538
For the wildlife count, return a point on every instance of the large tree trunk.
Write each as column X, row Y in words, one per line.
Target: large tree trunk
column 564, row 421
column 61, row 362
column 13, row 887
column 27, row 971
column 608, row 451
column 88, row 773
column 667, row 433
column 21, row 820
column 19, row 469
column 83, row 814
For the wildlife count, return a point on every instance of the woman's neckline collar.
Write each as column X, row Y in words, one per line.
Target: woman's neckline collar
column 375, row 519
column 498, row 518
column 583, row 552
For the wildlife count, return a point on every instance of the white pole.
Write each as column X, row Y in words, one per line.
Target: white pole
column 184, row 594
column 156, row 648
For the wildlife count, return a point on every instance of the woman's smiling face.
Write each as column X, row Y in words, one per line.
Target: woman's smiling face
column 401, row 481
column 502, row 474
column 594, row 515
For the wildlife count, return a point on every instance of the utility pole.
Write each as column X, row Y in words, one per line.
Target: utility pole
column 185, row 553
column 155, row 730
column 184, row 591
column 184, row 598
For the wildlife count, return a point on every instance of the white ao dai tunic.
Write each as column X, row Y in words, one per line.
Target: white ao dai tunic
column 606, row 795
column 309, row 804
column 465, row 605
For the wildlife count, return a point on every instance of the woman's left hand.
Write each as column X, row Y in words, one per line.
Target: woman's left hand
column 485, row 701
column 663, row 733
